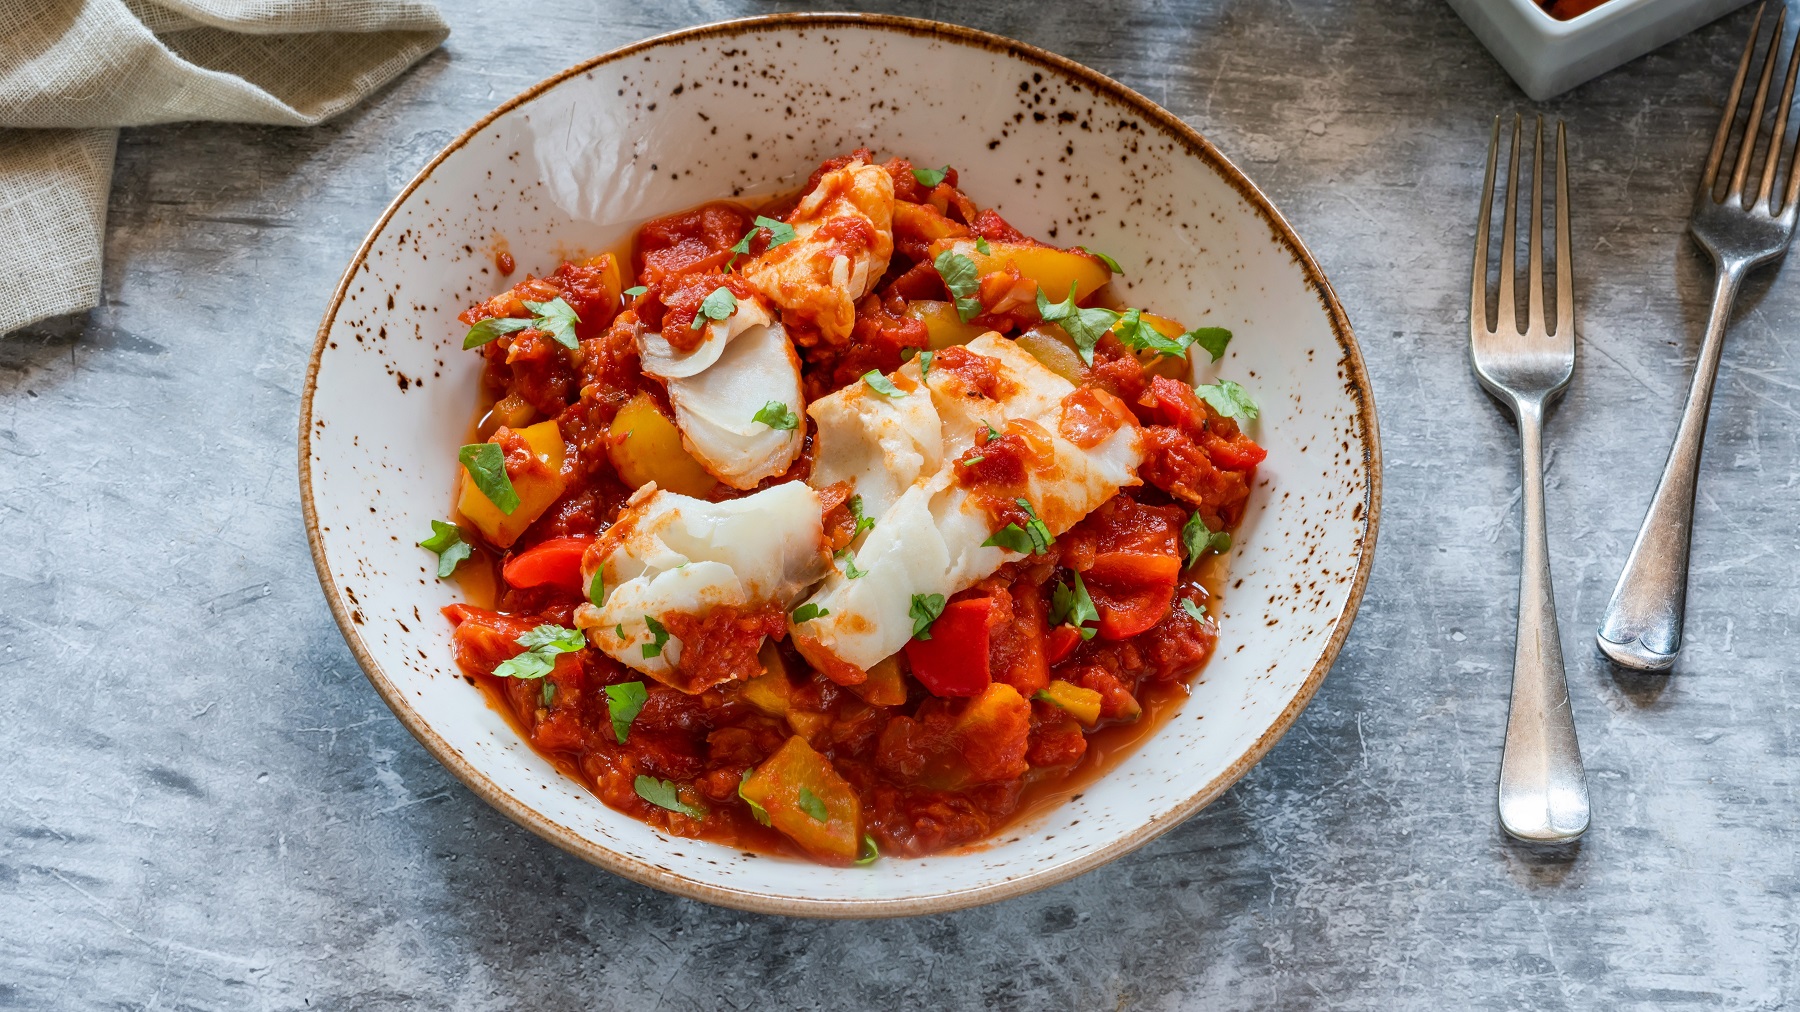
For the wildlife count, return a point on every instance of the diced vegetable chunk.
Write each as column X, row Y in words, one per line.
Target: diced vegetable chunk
column 777, row 786
column 1082, row 704
column 1051, row 347
column 1053, row 269
column 885, row 686
column 646, row 447
column 537, row 485
column 552, row 563
column 942, row 323
column 954, row 661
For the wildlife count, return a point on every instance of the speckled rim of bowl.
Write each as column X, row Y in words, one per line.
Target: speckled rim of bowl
column 645, row 874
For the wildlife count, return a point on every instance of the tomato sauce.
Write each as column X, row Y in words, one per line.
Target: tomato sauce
column 1041, row 676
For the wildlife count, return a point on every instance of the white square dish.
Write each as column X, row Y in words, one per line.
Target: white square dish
column 1548, row 57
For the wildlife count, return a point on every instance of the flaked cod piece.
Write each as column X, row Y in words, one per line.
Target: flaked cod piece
column 843, row 237
column 928, row 536
column 744, row 362
column 670, row 554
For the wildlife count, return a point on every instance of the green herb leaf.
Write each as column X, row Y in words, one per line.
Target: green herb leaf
column 623, row 703
column 619, row 630
column 1085, row 326
column 925, row 610
column 1213, row 339
column 1041, row 538
column 851, row 571
column 1228, row 399
column 548, row 695
column 446, row 540
column 931, row 177
column 596, row 592
column 553, row 639
column 556, row 318
column 1012, row 537
column 761, row 813
column 863, row 520
column 486, row 464
column 972, row 461
column 1111, row 264
column 982, row 247
column 635, row 290
column 992, row 433
column 530, row 664
column 660, row 637
column 968, row 308
column 1072, row 604
column 663, row 794
column 780, row 233
column 813, row 805
column 1199, row 539
column 491, row 328
column 869, row 851
column 717, row 306
column 809, row 611
column 959, row 273
column 1197, row 612
column 777, row 415
column 925, row 363
column 881, row 384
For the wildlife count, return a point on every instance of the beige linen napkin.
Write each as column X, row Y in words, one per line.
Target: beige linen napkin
column 73, row 71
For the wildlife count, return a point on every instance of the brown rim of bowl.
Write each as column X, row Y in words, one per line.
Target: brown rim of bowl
column 1031, row 881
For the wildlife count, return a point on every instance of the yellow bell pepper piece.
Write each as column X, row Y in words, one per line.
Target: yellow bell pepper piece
column 1082, row 704
column 807, row 800
column 537, row 487
column 942, row 324
column 1053, row 269
column 646, row 447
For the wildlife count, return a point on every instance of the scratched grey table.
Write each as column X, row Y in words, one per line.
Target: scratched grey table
column 205, row 806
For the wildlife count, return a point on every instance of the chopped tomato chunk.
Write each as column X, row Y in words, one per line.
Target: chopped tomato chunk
column 954, row 661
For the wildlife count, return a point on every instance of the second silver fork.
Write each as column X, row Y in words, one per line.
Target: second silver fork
column 1543, row 788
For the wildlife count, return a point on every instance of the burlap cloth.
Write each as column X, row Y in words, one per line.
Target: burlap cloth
column 72, row 72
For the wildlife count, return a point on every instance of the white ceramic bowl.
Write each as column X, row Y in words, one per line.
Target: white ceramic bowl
column 750, row 107
column 1548, row 57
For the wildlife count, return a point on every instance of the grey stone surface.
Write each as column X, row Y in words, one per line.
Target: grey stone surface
column 205, row 806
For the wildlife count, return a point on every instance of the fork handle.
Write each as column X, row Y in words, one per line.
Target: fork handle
column 1543, row 788
column 1641, row 629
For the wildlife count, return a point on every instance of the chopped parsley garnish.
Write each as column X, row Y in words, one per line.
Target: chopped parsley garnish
column 596, row 592
column 963, row 280
column 623, row 703
column 761, row 813
column 972, row 461
column 813, row 805
column 446, row 540
column 1199, row 539
column 1074, row 606
column 869, row 851
column 881, row 384
column 863, row 520
column 925, row 363
column 931, row 177
column 659, row 637
column 780, row 233
column 662, row 794
column 1228, row 399
column 635, row 290
column 717, row 306
column 982, row 247
column 851, row 570
column 1111, row 264
column 809, row 611
column 1012, row 537
column 1139, row 335
column 992, row 433
column 1213, row 339
column 542, row 645
column 1197, row 612
column 556, row 318
column 1041, row 539
column 777, row 415
column 548, row 695
column 486, row 464
column 925, row 610
column 1085, row 326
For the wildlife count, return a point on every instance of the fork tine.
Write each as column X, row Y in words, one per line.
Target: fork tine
column 1565, row 265
column 1506, row 321
column 1478, row 289
column 1779, row 133
column 1753, row 125
column 1534, row 295
column 1717, row 156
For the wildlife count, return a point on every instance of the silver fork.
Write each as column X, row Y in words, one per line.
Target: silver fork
column 1642, row 625
column 1543, row 789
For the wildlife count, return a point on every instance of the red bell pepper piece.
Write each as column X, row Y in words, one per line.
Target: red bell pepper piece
column 1063, row 641
column 954, row 661
column 1132, row 591
column 556, row 563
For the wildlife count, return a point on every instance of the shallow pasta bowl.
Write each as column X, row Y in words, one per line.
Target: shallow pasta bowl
column 748, row 108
